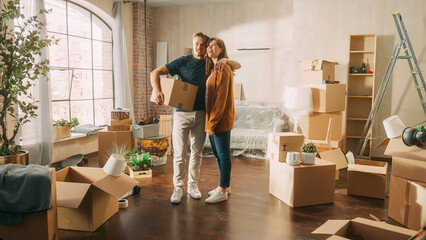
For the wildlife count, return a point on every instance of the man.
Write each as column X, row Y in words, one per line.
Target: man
column 188, row 125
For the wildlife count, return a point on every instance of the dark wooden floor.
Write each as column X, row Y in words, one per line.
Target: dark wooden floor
column 250, row 213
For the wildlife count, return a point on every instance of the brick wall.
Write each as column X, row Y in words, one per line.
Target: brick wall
column 143, row 64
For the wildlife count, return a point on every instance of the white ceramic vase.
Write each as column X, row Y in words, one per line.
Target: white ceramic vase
column 308, row 158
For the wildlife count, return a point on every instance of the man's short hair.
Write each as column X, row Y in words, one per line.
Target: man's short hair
column 200, row 34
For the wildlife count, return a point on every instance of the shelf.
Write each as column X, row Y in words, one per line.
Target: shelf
column 362, row 52
column 356, row 119
column 353, row 137
column 357, row 96
column 361, row 74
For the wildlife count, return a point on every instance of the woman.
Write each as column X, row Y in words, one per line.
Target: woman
column 220, row 115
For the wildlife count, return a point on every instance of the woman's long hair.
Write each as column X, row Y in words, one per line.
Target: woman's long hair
column 223, row 54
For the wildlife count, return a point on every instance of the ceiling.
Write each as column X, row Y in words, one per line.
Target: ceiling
column 171, row 3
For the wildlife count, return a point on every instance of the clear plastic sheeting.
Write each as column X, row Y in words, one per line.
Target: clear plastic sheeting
column 252, row 125
column 297, row 103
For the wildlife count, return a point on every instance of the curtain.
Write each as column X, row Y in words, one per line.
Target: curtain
column 36, row 136
column 123, row 97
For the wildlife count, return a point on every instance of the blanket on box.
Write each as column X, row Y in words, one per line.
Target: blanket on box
column 23, row 189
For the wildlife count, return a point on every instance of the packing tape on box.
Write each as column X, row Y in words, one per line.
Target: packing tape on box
column 115, row 165
column 123, row 203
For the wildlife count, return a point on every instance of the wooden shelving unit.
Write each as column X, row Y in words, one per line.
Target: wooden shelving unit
column 360, row 90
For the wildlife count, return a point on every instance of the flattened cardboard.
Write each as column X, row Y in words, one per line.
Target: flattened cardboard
column 328, row 98
column 409, row 169
column 281, row 143
column 367, row 178
column 397, row 148
column 407, row 202
column 302, row 185
column 97, row 204
column 177, row 93
column 315, row 126
column 361, row 228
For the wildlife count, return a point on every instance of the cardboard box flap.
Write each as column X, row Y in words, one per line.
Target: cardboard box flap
column 394, row 232
column 367, row 169
column 315, row 65
column 397, row 148
column 336, row 156
column 331, row 227
column 383, row 143
column 70, row 194
column 116, row 186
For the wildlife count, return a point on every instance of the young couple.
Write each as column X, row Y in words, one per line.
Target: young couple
column 213, row 113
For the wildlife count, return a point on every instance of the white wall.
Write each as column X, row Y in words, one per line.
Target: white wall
column 248, row 24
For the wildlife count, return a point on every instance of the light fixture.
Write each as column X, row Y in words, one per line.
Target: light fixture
column 412, row 136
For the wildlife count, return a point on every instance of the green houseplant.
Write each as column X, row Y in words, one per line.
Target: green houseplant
column 63, row 127
column 20, row 47
column 138, row 161
column 309, row 150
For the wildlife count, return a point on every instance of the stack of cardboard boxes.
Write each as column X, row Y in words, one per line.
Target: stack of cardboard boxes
column 328, row 99
column 118, row 135
column 407, row 195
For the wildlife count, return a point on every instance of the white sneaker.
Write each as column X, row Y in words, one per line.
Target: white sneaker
column 193, row 191
column 228, row 191
column 177, row 195
column 216, row 197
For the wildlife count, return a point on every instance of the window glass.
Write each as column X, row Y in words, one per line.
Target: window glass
column 101, row 31
column 82, row 85
column 80, row 52
column 78, row 21
column 102, row 54
column 58, row 54
column 60, row 82
column 103, row 109
column 83, row 110
column 103, row 84
column 60, row 110
column 57, row 18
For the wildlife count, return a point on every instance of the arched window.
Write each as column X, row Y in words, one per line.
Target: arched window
column 81, row 64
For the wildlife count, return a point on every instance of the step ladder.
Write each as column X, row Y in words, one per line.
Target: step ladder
column 419, row 81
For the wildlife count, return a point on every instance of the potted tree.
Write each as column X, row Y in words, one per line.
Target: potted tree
column 20, row 47
column 309, row 150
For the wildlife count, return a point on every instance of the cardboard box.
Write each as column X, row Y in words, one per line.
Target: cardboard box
column 120, row 128
column 407, row 202
column 146, row 131
column 367, row 178
column 361, row 228
column 88, row 197
column 335, row 156
column 302, row 185
column 315, row 71
column 328, row 97
column 333, row 144
column 36, row 226
column 177, row 93
column 315, row 126
column 409, row 169
column 238, row 91
column 397, row 148
column 281, row 143
column 108, row 140
column 123, row 122
column 61, row 132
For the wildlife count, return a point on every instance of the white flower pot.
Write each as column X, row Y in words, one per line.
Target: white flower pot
column 308, row 158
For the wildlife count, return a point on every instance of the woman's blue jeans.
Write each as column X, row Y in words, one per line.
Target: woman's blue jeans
column 222, row 151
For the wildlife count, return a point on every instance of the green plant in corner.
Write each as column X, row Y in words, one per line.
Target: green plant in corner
column 309, row 147
column 20, row 47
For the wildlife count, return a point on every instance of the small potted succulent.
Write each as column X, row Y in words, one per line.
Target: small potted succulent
column 309, row 150
column 63, row 127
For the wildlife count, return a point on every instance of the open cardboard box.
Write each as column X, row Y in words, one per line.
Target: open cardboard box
column 397, row 148
column 361, row 228
column 335, row 156
column 88, row 197
column 367, row 178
